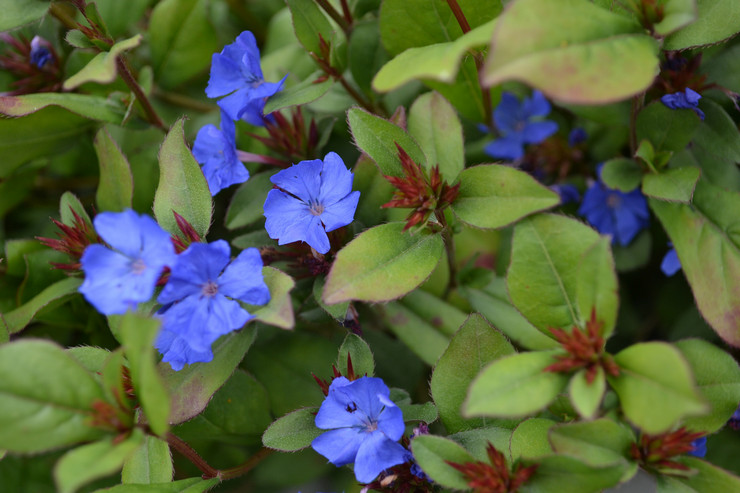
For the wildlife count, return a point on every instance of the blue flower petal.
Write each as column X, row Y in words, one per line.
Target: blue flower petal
column 537, row 105
column 302, row 180
column 536, row 132
column 194, row 267
column 336, row 180
column 671, row 263
column 340, row 213
column 340, row 445
column 315, row 235
column 234, row 104
column 700, row 447
column 225, row 76
column 506, row 116
column 377, row 454
column 104, row 272
column 177, row 352
column 508, row 147
column 285, row 217
column 242, row 279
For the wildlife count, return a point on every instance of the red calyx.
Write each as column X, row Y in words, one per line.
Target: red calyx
column 496, row 476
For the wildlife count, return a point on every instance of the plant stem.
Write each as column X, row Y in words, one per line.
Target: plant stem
column 356, row 95
column 249, row 157
column 450, row 249
column 485, row 93
column 185, row 101
column 189, row 453
column 62, row 16
column 347, row 12
column 636, row 106
column 128, row 78
column 235, row 472
column 346, row 26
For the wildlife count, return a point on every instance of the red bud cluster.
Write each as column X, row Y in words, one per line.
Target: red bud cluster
column 496, row 476
column 72, row 240
column 324, row 384
column 585, row 349
column 189, row 235
column 656, row 451
column 415, row 191
column 32, row 79
column 292, row 138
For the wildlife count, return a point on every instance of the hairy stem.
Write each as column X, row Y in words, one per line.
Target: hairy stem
column 346, row 26
column 62, row 16
column 128, row 78
column 240, row 470
column 185, row 101
column 450, row 249
column 189, row 453
column 465, row 26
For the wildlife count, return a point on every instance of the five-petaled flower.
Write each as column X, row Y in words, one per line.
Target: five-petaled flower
column 200, row 300
column 518, row 124
column 215, row 150
column 313, row 198
column 364, row 427
column 614, row 212
column 116, row 280
column 236, row 74
column 688, row 100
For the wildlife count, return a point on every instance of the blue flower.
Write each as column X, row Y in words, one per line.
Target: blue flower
column 314, row 198
column 116, row 280
column 568, row 193
column 576, row 136
column 689, row 100
column 40, row 54
column 518, row 126
column 734, row 420
column 700, row 447
column 200, row 300
column 615, row 213
column 364, row 427
column 215, row 150
column 670, row 264
column 236, row 74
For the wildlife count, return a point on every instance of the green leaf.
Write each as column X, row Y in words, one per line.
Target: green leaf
column 494, row 304
column 440, row 61
column 182, row 39
column 529, row 439
column 246, row 204
column 709, row 478
column 514, row 386
column 46, row 397
column 47, row 132
column 719, row 382
column 292, row 432
column 596, row 285
column 192, row 387
column 666, row 129
column 381, row 264
column 655, row 386
column 672, row 185
column 17, row 13
column 69, row 202
column 426, row 412
column 121, row 16
column 434, row 124
column 149, row 464
column 586, row 397
column 179, row 172
column 306, row 92
column 572, row 50
column 622, row 174
column 407, row 24
column 493, row 196
column 464, row 92
column 542, row 277
column 309, row 22
column 339, row 311
column 102, row 68
column 363, row 362
column 476, row 441
column 279, row 311
column 116, row 187
column 53, row 295
column 95, row 460
column 559, row 473
column 441, row 315
column 191, row 485
column 138, row 335
column 474, row 346
column 707, row 242
column 91, row 358
column 432, row 454
column 676, row 14
column 366, row 53
column 423, row 339
column 597, row 443
column 93, row 107
column 377, row 138
column 716, row 21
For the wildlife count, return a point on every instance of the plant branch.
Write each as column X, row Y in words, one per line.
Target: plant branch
column 235, row 472
column 343, row 23
column 189, row 453
column 184, row 101
column 249, row 157
column 128, row 78
column 62, row 16
column 450, row 249
column 459, row 15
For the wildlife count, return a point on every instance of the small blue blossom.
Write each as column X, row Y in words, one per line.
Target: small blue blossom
column 614, row 212
column 364, row 427
column 40, row 54
column 734, row 420
column 700, row 447
column 576, row 136
column 119, row 279
column 200, row 300
column 670, row 264
column 689, row 100
column 215, row 150
column 314, row 198
column 236, row 74
column 568, row 193
column 518, row 125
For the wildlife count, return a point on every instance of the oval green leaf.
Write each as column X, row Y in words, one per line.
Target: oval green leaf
column 116, row 186
column 93, row 107
column 432, row 454
column 434, row 124
column 294, row 431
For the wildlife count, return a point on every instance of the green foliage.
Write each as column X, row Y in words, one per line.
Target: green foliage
column 149, row 464
column 292, row 432
column 102, row 69
column 310, row 24
column 306, row 92
column 410, row 328
column 621, row 174
column 17, row 13
column 116, row 187
column 362, row 357
column 434, row 125
column 586, row 396
column 597, row 443
column 92, row 107
column 279, row 311
column 716, row 21
column 432, row 454
column 16, row 320
column 666, row 129
column 673, row 185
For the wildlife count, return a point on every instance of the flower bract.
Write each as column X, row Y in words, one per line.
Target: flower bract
column 614, row 212
column 364, row 427
column 236, row 74
column 314, row 198
column 520, row 124
column 118, row 279
column 201, row 300
column 215, row 150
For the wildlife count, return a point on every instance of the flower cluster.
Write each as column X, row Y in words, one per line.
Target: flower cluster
column 520, row 124
column 658, row 451
column 312, row 198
